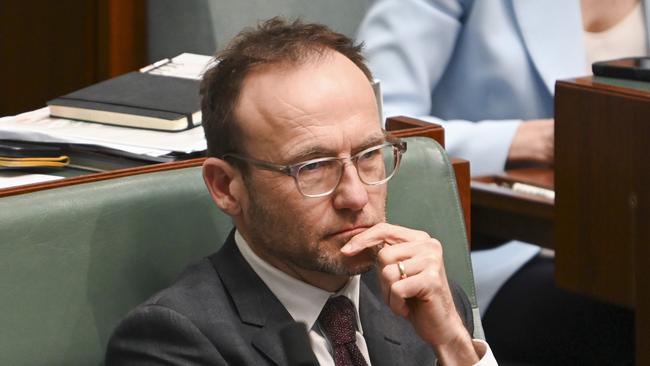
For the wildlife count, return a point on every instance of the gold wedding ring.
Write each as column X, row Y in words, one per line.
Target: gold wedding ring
column 402, row 270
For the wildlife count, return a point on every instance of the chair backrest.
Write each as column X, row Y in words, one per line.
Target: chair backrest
column 203, row 26
column 74, row 260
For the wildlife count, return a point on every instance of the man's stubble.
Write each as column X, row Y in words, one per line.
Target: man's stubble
column 277, row 231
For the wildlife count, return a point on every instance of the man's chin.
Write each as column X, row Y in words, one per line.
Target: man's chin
column 361, row 263
column 347, row 270
column 360, row 269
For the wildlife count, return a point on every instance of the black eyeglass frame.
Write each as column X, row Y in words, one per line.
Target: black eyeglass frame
column 292, row 170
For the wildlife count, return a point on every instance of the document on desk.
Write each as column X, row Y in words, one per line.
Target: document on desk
column 38, row 126
column 12, row 179
column 185, row 65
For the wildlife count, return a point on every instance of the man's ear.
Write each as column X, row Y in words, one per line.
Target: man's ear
column 224, row 183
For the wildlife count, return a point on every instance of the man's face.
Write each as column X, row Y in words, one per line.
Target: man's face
column 290, row 114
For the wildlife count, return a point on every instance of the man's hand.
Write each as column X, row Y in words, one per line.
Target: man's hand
column 422, row 295
column 533, row 142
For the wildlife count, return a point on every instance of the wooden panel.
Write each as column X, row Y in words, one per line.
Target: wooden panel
column 402, row 126
column 602, row 154
column 603, row 197
column 500, row 213
column 47, row 48
column 642, row 275
column 461, row 171
column 122, row 36
column 50, row 48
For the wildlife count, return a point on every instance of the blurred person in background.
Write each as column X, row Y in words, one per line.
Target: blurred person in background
column 486, row 71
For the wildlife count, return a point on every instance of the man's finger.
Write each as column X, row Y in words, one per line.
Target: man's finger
column 429, row 248
column 379, row 234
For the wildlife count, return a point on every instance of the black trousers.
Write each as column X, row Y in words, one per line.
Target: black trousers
column 531, row 321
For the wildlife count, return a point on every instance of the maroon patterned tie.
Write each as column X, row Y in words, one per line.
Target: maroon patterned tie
column 338, row 321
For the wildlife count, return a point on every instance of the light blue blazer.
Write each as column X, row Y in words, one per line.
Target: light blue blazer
column 479, row 67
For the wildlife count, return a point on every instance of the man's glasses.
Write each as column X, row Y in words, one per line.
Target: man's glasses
column 320, row 177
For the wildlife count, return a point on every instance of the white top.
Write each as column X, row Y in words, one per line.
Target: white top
column 307, row 307
column 627, row 38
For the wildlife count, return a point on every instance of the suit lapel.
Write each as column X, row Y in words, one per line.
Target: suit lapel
column 380, row 328
column 553, row 35
column 255, row 303
column 267, row 340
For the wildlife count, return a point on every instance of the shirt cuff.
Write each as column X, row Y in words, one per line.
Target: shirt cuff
column 484, row 352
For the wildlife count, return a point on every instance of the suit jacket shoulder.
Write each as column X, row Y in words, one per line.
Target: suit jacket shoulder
column 217, row 312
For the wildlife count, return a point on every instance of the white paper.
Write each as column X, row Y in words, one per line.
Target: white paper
column 185, row 65
column 13, row 179
column 37, row 126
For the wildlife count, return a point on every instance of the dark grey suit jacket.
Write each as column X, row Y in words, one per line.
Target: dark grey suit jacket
column 219, row 312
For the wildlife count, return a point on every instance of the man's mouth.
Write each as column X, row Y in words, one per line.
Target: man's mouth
column 349, row 232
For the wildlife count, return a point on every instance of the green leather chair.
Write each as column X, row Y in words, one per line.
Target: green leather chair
column 74, row 260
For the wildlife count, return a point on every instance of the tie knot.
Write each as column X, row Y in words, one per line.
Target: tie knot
column 338, row 320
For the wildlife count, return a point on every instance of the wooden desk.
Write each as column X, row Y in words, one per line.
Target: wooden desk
column 602, row 184
column 105, row 39
column 500, row 213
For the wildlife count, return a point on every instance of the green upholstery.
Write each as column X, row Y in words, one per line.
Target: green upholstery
column 74, row 260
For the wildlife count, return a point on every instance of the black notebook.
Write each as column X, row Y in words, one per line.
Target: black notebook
column 136, row 99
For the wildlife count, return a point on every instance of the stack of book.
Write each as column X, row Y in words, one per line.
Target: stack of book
column 138, row 118
column 163, row 96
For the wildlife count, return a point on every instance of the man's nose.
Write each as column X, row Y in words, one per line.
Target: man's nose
column 351, row 193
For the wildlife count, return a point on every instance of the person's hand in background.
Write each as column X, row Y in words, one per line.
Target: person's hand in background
column 533, row 142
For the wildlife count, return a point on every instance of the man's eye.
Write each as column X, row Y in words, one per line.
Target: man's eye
column 369, row 154
column 314, row 166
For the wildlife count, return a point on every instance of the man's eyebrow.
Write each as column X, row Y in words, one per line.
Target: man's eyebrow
column 373, row 140
column 314, row 152
column 309, row 153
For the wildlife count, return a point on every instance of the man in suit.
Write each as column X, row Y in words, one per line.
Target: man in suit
column 298, row 159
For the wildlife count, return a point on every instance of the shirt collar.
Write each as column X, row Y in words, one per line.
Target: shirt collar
column 303, row 301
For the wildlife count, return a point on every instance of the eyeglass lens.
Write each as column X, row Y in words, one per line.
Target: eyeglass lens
column 373, row 166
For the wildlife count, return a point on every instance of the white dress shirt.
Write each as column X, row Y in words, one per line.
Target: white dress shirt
column 307, row 306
